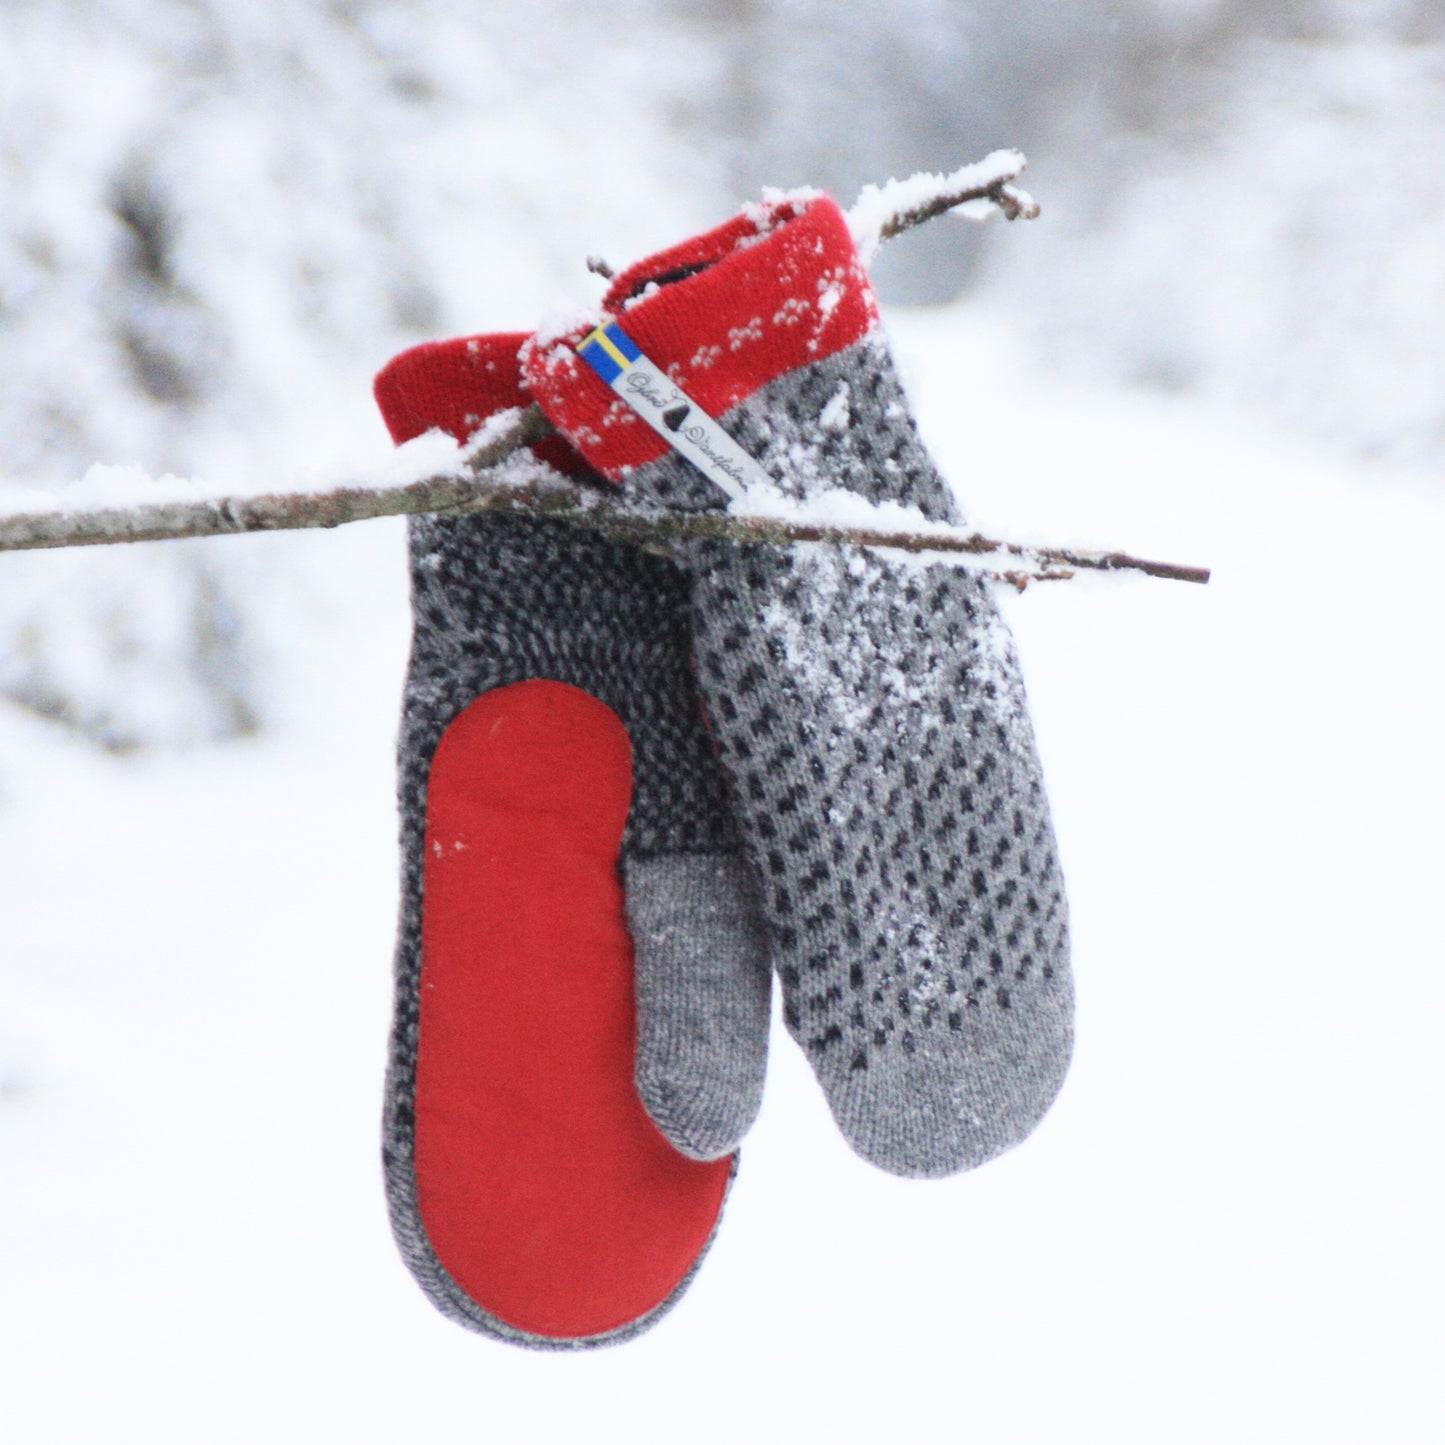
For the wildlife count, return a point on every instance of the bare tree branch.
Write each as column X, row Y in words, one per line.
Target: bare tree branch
column 276, row 511
column 473, row 490
column 882, row 212
column 1014, row 203
column 879, row 214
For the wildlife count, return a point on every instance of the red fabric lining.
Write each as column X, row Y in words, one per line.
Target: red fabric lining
column 547, row 1193
column 778, row 292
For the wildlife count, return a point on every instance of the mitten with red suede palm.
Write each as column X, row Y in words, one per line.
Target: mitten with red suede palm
column 870, row 714
column 562, row 824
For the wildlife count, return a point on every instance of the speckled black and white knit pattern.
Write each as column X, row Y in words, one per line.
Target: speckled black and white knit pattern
column 502, row 600
column 498, row 600
column 872, row 720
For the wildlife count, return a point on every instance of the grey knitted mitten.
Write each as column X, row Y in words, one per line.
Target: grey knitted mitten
column 870, row 715
column 551, row 736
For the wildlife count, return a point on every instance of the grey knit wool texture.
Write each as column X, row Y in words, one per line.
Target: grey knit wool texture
column 870, row 715
column 498, row 600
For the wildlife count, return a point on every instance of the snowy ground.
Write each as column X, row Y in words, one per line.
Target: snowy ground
column 1227, row 1229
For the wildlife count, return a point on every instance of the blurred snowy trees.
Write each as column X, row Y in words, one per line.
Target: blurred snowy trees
column 1269, row 227
column 1245, row 197
column 217, row 221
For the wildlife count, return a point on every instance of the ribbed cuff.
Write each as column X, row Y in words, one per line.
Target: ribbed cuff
column 455, row 386
column 775, row 288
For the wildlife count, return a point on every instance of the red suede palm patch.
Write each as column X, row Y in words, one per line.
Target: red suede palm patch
column 547, row 1193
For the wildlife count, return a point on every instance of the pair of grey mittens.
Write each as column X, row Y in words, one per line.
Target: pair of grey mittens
column 834, row 776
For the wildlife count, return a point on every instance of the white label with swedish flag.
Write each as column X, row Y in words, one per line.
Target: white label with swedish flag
column 670, row 412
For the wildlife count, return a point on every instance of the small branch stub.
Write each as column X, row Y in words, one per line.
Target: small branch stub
column 882, row 212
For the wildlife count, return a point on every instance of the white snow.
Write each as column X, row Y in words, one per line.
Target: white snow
column 217, row 222
column 835, row 415
column 877, row 205
column 764, row 212
column 107, row 488
column 1275, row 239
column 1226, row 1229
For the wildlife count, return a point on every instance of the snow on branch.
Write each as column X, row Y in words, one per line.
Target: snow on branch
column 137, row 515
column 975, row 191
column 496, row 472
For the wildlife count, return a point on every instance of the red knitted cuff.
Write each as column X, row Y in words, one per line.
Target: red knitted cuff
column 456, row 386
column 775, row 288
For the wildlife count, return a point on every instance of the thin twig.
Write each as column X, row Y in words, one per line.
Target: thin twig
column 762, row 529
column 273, row 511
column 879, row 214
column 1016, row 205
column 882, row 212
column 456, row 493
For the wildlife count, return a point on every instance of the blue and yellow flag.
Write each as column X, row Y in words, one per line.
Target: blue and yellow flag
column 609, row 351
column 670, row 412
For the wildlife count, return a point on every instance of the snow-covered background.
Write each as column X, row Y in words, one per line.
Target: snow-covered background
column 1220, row 344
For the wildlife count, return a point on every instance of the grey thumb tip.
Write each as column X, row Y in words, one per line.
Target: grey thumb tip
column 702, row 1128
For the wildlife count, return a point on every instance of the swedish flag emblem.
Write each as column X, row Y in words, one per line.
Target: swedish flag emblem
column 656, row 397
column 609, row 351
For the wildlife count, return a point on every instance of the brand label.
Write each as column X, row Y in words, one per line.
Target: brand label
column 669, row 411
